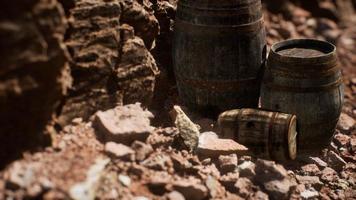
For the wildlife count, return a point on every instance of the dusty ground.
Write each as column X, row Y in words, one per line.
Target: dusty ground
column 125, row 153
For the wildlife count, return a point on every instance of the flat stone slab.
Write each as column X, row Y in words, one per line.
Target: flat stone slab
column 124, row 124
column 211, row 146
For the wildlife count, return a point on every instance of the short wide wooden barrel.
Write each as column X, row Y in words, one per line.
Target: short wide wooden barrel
column 218, row 50
column 267, row 134
column 303, row 78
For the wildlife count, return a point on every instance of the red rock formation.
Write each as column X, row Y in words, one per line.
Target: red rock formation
column 110, row 63
column 34, row 72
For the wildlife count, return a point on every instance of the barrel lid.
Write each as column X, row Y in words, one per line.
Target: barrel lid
column 292, row 138
column 303, row 51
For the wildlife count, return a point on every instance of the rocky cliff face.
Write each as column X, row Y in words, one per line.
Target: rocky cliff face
column 97, row 49
column 34, row 71
column 109, row 42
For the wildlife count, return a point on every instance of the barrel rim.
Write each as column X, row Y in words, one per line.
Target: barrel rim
column 251, row 27
column 286, row 44
column 232, row 4
column 292, row 150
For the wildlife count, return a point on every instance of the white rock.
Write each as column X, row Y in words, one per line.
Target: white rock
column 309, row 194
column 86, row 190
column 346, row 123
column 125, row 180
column 140, row 198
column 188, row 131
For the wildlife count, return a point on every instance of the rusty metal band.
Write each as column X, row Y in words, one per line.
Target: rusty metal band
column 302, row 66
column 241, row 6
column 325, row 87
column 214, row 15
column 209, row 29
column 232, row 14
column 305, row 74
column 218, row 85
column 237, row 125
column 270, row 135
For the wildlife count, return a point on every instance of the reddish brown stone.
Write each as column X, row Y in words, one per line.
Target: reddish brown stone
column 244, row 187
column 278, row 189
column 346, row 123
column 328, row 175
column 247, row 169
column 259, row 195
column 158, row 181
column 157, row 139
column 342, row 140
column 353, row 144
column 216, row 190
column 228, row 163
column 269, row 170
column 179, row 162
column 310, row 180
column 310, row 169
column 191, row 189
column 335, row 160
column 158, row 161
column 319, row 162
column 141, row 149
column 211, row 146
column 124, row 124
column 119, row 150
column 273, row 178
column 229, row 180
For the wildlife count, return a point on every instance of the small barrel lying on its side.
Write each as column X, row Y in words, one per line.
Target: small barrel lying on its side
column 267, row 134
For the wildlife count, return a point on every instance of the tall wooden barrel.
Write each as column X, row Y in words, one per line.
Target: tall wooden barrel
column 267, row 134
column 218, row 50
column 303, row 78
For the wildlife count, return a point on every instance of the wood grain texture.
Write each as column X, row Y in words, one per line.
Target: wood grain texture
column 218, row 52
column 267, row 134
column 309, row 87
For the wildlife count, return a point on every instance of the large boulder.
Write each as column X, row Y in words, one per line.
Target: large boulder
column 34, row 72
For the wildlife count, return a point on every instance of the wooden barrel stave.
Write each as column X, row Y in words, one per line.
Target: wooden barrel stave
column 217, row 61
column 266, row 134
column 311, row 89
column 317, row 128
